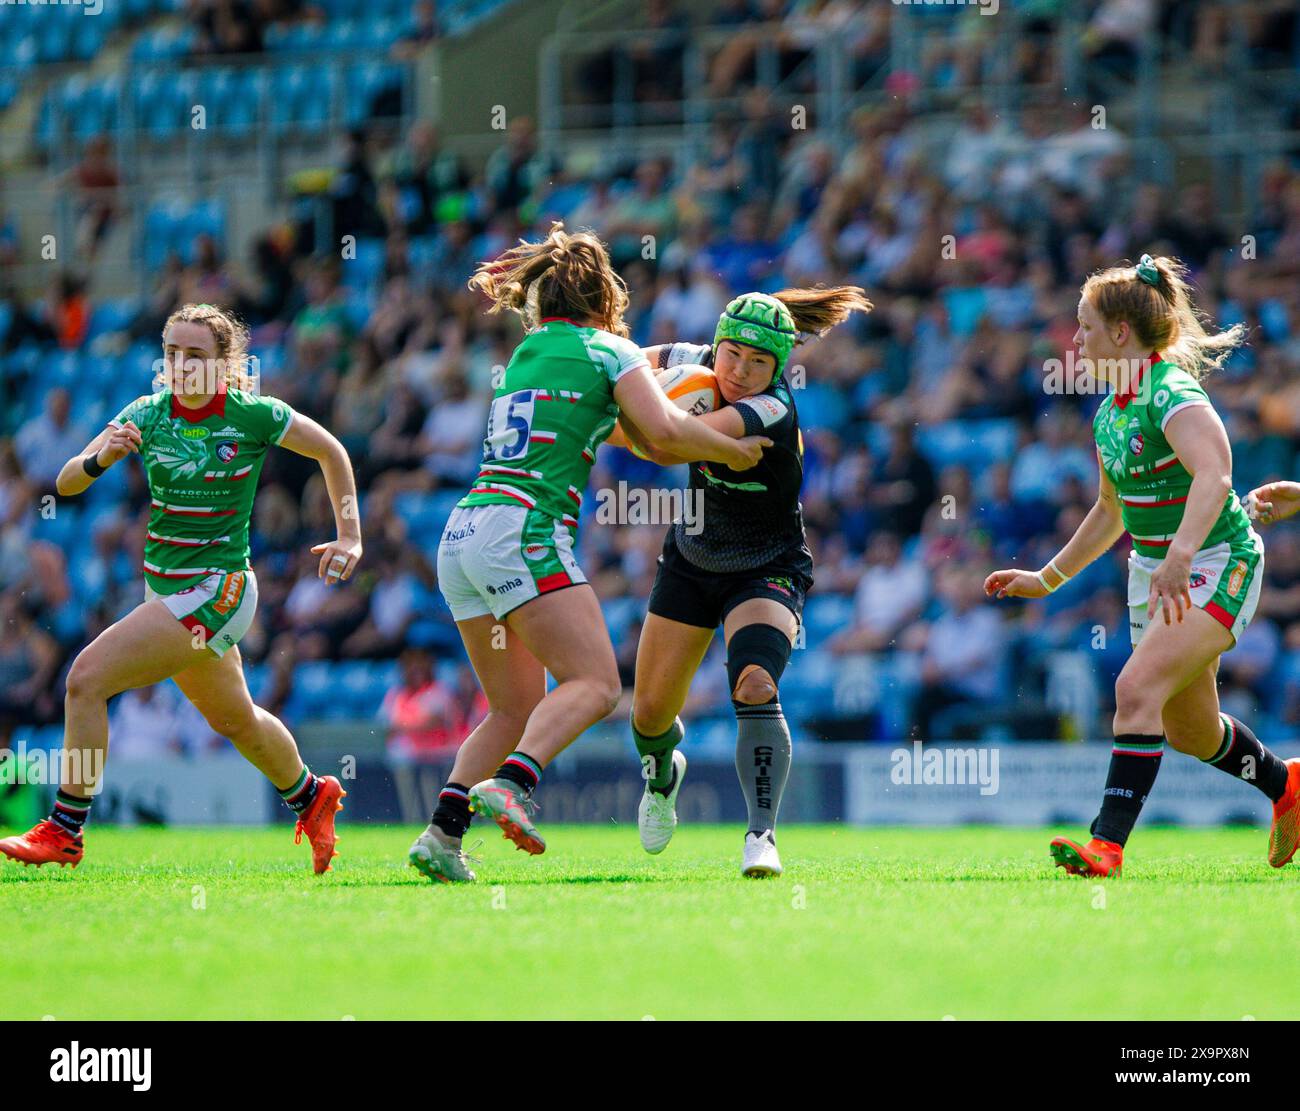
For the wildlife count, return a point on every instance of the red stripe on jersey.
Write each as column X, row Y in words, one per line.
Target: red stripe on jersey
column 196, row 512
column 1153, row 504
column 505, row 493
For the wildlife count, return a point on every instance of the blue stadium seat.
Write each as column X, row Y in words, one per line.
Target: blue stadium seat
column 968, row 443
column 824, row 615
column 63, row 529
column 365, row 82
column 364, row 270
column 313, row 687
column 360, row 686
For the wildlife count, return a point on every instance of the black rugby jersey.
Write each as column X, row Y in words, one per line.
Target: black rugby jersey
column 751, row 517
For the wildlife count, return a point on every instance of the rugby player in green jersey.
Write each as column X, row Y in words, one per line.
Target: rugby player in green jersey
column 202, row 439
column 505, row 562
column 1196, row 566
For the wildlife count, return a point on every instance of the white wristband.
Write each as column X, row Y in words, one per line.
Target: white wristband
column 1061, row 575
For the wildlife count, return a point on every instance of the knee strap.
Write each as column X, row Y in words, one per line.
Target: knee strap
column 763, row 645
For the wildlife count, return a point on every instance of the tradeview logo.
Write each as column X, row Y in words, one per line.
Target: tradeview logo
column 102, row 1066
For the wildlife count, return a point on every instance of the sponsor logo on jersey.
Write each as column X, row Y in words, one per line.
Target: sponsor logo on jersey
column 227, row 450
column 534, row 551
column 1136, row 443
column 231, row 432
column 232, row 591
column 768, row 408
column 1236, row 579
column 194, row 432
column 1162, row 395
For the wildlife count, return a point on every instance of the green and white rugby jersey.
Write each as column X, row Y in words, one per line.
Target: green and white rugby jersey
column 555, row 406
column 1151, row 482
column 202, row 466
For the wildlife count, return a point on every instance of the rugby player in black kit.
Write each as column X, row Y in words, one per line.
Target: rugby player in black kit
column 742, row 563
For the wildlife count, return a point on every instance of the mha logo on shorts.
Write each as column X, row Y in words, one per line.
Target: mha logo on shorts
column 505, row 587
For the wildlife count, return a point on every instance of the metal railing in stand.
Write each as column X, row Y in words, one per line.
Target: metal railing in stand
column 622, row 122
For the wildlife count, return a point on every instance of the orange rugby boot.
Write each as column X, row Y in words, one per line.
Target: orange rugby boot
column 1096, row 858
column 317, row 822
column 1284, row 837
column 46, row 842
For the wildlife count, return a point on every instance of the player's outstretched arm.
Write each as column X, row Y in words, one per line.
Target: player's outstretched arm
column 1096, row 533
column 338, row 558
column 101, row 453
column 1274, row 501
column 667, row 430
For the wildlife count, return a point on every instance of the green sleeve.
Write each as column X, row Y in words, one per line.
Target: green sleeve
column 1175, row 391
column 270, row 417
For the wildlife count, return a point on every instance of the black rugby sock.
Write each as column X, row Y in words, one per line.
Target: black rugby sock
column 1134, row 764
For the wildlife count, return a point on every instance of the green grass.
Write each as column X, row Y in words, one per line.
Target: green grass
column 895, row 923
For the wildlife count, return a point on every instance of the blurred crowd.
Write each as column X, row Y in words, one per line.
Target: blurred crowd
column 934, row 450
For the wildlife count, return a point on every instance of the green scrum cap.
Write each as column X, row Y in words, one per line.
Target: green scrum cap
column 760, row 321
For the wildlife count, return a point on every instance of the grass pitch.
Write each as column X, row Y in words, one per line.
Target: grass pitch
column 874, row 923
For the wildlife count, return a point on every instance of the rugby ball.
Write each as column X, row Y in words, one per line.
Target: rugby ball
column 692, row 388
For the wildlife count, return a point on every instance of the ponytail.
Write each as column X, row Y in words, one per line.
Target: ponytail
column 816, row 311
column 562, row 275
column 1155, row 299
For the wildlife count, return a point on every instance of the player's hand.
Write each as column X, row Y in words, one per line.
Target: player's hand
column 1171, row 588
column 120, row 443
column 1274, row 501
column 1014, row 583
column 338, row 559
column 749, row 450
